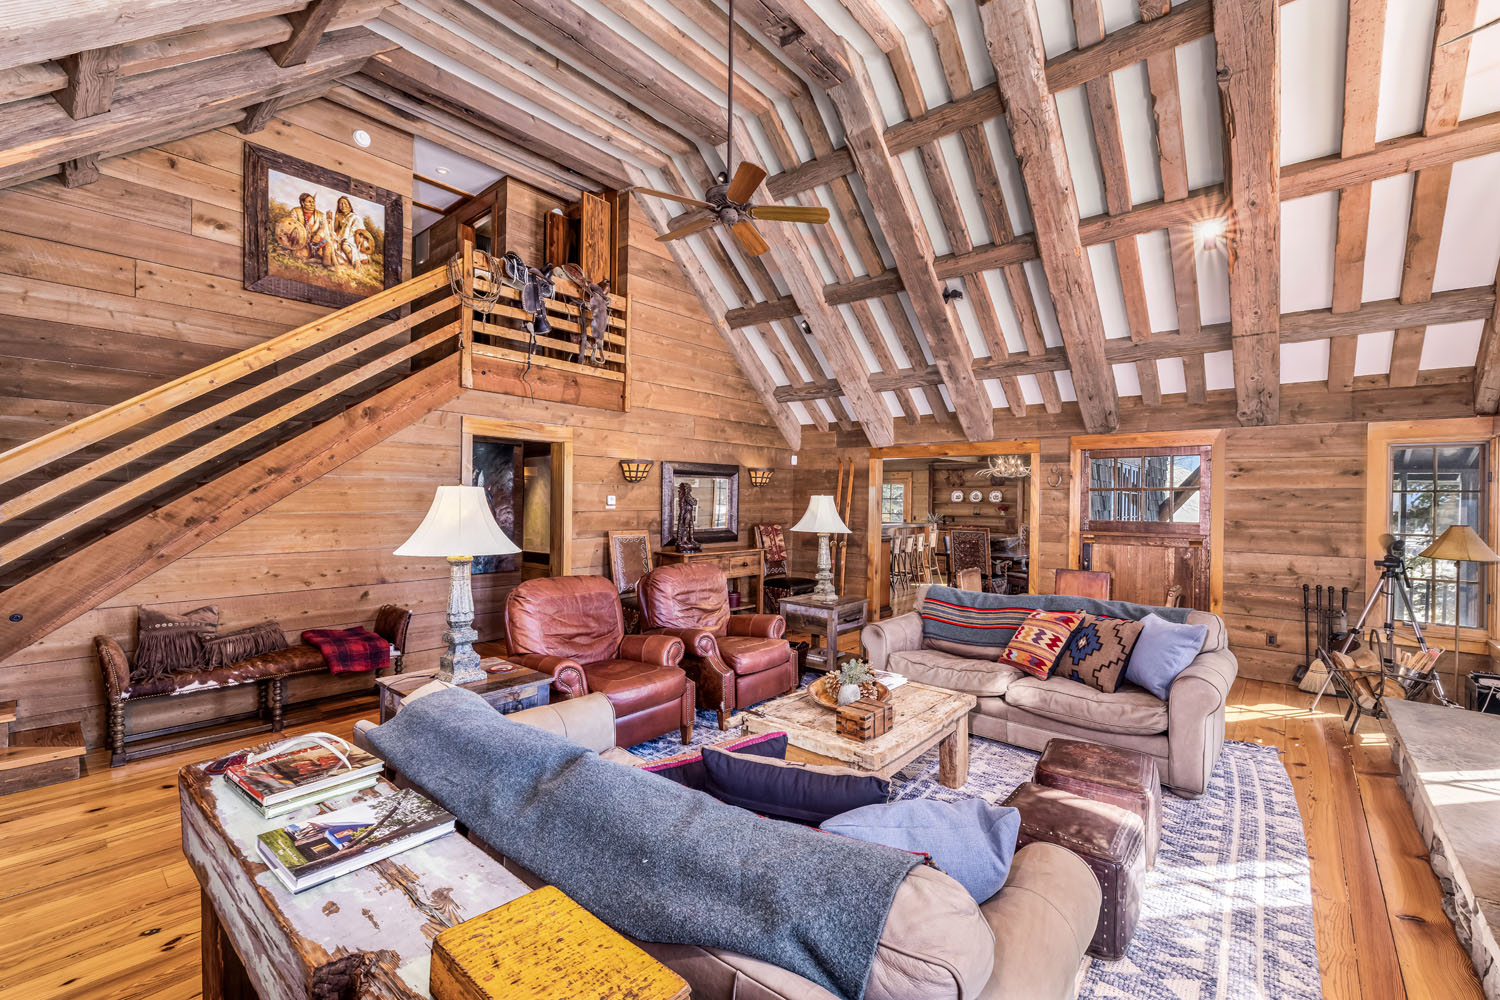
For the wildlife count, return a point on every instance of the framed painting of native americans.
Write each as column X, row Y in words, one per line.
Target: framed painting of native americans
column 315, row 235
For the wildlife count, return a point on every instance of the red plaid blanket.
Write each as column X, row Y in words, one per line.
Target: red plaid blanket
column 349, row 650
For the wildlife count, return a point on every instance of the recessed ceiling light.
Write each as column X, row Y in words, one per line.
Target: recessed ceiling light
column 361, row 138
column 442, row 170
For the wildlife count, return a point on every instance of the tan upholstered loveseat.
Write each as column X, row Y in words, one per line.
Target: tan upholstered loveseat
column 1184, row 733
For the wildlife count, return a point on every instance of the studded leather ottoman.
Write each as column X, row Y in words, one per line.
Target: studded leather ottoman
column 1110, row 840
column 1126, row 778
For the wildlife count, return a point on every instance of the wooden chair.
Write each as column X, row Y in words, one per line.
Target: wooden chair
column 968, row 579
column 969, row 548
column 1082, row 583
column 629, row 560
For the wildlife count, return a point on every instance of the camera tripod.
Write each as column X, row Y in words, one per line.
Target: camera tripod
column 1393, row 586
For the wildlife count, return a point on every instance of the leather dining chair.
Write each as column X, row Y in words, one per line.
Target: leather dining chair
column 1082, row 583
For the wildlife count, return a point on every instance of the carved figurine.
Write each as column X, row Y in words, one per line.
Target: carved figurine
column 687, row 513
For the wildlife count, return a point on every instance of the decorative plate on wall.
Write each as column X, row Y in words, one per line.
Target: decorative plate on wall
column 995, row 496
column 975, row 496
column 957, row 496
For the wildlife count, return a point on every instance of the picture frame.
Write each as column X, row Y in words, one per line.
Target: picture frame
column 725, row 482
column 316, row 235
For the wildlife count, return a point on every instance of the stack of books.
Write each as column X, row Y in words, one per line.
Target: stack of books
column 303, row 771
column 385, row 821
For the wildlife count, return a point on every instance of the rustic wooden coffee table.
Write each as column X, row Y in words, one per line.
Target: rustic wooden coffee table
column 924, row 717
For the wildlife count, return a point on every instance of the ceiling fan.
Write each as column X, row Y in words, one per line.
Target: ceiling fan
column 728, row 200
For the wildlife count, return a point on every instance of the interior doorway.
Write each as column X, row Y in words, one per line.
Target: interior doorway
column 526, row 471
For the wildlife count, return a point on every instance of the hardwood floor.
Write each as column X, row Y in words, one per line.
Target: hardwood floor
column 96, row 900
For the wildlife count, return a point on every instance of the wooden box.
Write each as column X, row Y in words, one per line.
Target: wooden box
column 864, row 719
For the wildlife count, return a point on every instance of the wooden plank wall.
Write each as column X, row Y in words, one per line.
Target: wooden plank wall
column 322, row 557
column 1294, row 499
column 112, row 288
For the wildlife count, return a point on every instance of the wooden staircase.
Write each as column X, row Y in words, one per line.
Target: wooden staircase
column 91, row 508
column 35, row 757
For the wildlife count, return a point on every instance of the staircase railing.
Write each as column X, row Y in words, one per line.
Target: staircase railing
column 249, row 394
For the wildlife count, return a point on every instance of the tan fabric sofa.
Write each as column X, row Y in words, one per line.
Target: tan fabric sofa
column 1026, row 942
column 1184, row 733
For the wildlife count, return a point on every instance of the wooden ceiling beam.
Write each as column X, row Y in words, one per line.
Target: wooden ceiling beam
column 593, row 47
column 748, row 49
column 1429, row 196
column 258, row 116
column 1362, row 50
column 804, row 41
column 1247, row 35
column 308, row 26
column 1014, row 39
column 91, row 81
column 37, row 133
column 1453, row 306
column 1487, row 364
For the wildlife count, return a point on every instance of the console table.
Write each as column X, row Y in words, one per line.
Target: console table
column 737, row 564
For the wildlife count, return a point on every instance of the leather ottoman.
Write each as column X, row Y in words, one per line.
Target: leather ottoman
column 1126, row 778
column 1109, row 839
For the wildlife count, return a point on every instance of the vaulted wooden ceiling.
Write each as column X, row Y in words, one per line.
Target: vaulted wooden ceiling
column 1065, row 164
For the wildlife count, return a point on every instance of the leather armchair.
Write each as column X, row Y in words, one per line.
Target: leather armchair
column 572, row 628
column 734, row 661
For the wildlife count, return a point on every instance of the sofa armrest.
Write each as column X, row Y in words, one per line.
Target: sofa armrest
column 894, row 635
column 1196, row 704
column 567, row 675
column 1043, row 921
column 114, row 665
column 391, row 624
column 657, row 650
column 695, row 641
column 589, row 721
column 756, row 626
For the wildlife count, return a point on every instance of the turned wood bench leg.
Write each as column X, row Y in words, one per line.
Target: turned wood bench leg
column 277, row 691
column 116, row 732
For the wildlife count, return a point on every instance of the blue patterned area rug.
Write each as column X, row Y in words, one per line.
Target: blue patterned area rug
column 1227, row 912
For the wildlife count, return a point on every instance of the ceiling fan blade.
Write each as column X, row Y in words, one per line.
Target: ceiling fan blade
column 687, row 224
column 751, row 241
column 673, row 197
column 789, row 213
column 746, row 179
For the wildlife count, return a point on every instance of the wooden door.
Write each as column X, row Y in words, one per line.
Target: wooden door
column 1146, row 521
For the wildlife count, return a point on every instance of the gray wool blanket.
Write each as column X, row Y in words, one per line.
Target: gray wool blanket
column 649, row 857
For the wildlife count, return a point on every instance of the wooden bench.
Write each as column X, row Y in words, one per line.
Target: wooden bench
column 268, row 671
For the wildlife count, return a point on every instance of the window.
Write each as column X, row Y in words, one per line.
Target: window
column 1432, row 488
column 893, row 502
column 1156, row 486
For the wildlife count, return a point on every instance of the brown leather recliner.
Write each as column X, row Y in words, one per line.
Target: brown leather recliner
column 735, row 660
column 572, row 628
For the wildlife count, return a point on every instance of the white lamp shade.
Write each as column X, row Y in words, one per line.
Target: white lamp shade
column 822, row 517
column 458, row 523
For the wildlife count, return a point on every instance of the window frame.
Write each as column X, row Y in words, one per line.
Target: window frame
column 1194, row 529
column 906, row 481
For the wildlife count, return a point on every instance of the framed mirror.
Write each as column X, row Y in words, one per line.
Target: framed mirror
column 717, row 488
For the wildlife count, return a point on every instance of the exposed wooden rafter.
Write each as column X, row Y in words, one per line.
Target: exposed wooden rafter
column 91, row 81
column 308, row 26
column 1248, row 38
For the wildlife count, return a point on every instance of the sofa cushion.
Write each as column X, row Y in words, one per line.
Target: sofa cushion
column 971, row 840
column 1040, row 640
column 750, row 655
column 1129, row 710
column 1097, row 652
column 789, row 790
column 632, row 686
column 1164, row 650
column 956, row 673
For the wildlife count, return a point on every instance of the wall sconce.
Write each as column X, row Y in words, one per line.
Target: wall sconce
column 1210, row 232
column 634, row 470
column 760, row 477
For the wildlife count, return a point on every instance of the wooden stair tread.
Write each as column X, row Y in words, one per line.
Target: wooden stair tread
column 8, row 711
column 38, row 746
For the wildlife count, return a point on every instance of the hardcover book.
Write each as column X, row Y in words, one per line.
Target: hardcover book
column 310, row 764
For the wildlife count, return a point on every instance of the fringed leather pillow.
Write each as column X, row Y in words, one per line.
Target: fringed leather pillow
column 167, row 644
column 228, row 648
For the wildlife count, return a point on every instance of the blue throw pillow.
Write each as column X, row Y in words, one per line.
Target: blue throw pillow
column 1163, row 650
column 971, row 840
column 789, row 790
column 687, row 768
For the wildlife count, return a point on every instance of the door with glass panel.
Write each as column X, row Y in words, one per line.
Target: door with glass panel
column 1145, row 521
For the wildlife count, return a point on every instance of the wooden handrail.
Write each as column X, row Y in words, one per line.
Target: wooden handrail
column 79, row 516
column 95, row 427
column 60, row 485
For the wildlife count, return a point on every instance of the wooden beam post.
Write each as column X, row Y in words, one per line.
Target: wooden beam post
column 91, row 81
column 899, row 218
column 77, row 173
column 1248, row 37
column 258, row 116
column 308, row 25
column 1014, row 39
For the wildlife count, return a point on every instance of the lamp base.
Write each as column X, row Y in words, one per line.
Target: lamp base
column 824, row 588
column 459, row 663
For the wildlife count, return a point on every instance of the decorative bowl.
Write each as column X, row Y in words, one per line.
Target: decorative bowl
column 818, row 691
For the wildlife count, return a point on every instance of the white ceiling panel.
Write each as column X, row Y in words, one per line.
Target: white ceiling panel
column 1170, row 374
column 1218, row 369
column 1307, row 237
column 1470, row 246
column 1451, row 345
column 1372, row 356
column 1127, row 380
column 1385, row 245
column 1107, row 286
column 1305, row 362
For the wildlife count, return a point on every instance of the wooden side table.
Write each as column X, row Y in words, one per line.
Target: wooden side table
column 543, row 946
column 737, row 564
column 506, row 693
column 828, row 618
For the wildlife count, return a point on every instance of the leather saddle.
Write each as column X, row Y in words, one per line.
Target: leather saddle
column 593, row 297
column 536, row 287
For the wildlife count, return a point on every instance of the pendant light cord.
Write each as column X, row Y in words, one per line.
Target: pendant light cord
column 729, row 113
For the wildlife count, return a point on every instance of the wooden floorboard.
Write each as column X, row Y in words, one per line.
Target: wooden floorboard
column 96, row 900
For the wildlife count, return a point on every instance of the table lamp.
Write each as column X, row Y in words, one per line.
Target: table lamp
column 1461, row 544
column 823, row 517
column 458, row 527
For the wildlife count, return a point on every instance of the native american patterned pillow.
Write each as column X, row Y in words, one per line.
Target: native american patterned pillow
column 1040, row 640
column 1097, row 651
